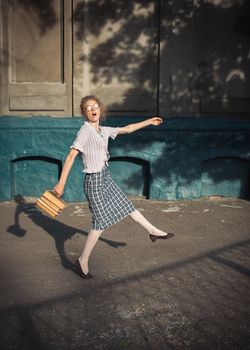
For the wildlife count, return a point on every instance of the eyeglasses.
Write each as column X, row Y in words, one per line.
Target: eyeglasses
column 88, row 108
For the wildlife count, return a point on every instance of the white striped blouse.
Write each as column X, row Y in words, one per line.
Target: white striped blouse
column 93, row 146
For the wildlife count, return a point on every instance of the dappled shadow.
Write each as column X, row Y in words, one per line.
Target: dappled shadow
column 165, row 57
column 182, row 157
column 59, row 231
column 140, row 35
column 149, row 57
column 126, row 54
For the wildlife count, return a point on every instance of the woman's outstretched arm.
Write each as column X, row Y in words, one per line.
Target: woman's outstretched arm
column 59, row 188
column 136, row 126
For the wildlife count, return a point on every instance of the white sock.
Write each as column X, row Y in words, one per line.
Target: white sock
column 140, row 219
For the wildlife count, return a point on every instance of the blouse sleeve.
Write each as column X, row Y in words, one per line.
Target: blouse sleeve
column 80, row 140
column 112, row 132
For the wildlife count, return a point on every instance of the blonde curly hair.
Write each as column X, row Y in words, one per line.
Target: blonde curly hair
column 87, row 98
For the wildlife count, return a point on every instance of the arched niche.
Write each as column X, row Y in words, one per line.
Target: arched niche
column 31, row 175
column 132, row 175
column 226, row 176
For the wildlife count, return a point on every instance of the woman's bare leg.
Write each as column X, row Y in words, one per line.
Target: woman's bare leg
column 92, row 239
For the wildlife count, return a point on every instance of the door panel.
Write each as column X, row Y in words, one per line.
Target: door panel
column 221, row 36
column 39, row 41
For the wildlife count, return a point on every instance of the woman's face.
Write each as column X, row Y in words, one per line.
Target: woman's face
column 92, row 111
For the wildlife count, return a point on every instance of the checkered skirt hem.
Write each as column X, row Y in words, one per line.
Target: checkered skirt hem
column 107, row 202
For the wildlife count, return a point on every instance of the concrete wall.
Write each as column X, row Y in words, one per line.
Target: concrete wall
column 141, row 57
column 185, row 59
column 184, row 158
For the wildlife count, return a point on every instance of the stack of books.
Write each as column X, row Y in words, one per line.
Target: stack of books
column 50, row 203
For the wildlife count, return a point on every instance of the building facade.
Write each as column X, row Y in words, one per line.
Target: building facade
column 185, row 60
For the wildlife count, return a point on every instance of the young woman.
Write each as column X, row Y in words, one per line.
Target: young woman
column 107, row 203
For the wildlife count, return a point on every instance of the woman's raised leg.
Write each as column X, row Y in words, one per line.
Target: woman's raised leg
column 140, row 219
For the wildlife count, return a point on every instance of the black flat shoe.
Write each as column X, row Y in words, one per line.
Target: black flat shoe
column 78, row 269
column 154, row 237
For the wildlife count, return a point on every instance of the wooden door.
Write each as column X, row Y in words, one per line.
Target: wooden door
column 36, row 57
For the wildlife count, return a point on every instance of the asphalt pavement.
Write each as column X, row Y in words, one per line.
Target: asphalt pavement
column 189, row 292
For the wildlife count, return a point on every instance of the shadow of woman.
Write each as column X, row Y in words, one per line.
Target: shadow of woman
column 58, row 230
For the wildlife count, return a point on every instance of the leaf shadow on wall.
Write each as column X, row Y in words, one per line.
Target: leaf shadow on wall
column 130, row 49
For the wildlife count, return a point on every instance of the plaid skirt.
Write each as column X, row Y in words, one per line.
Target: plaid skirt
column 107, row 202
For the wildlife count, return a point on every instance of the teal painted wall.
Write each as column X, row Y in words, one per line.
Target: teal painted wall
column 184, row 158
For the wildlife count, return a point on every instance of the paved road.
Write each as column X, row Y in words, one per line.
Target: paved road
column 189, row 292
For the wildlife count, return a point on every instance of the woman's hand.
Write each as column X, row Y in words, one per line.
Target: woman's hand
column 58, row 189
column 156, row 121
